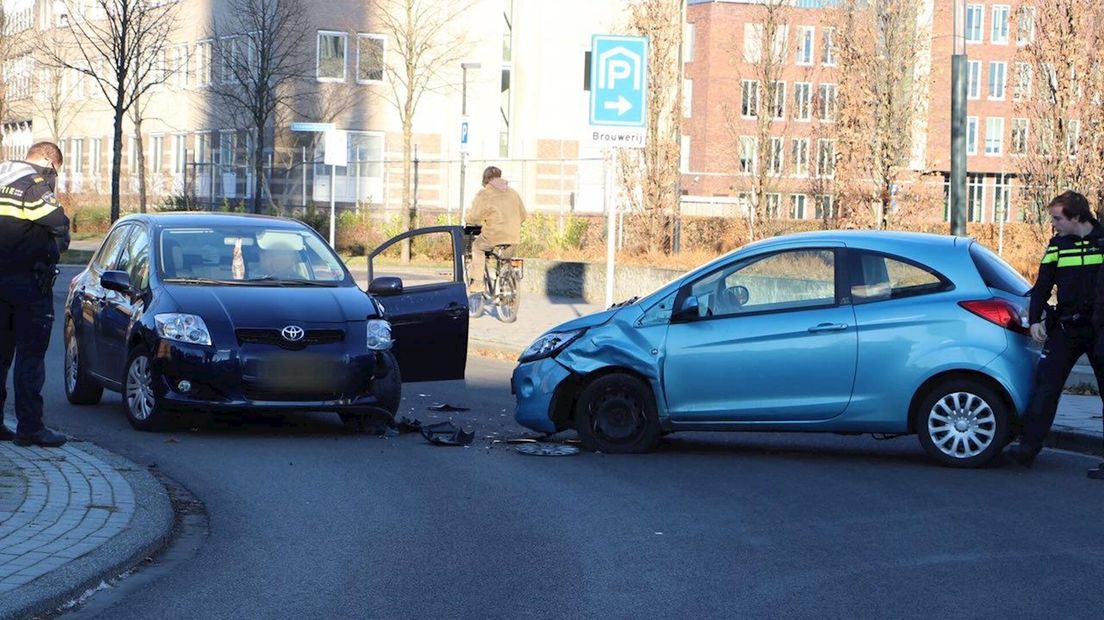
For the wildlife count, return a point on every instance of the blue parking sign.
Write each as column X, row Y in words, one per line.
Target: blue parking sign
column 618, row 80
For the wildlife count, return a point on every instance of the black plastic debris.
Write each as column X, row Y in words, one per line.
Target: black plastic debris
column 447, row 407
column 546, row 449
column 406, row 425
column 447, row 434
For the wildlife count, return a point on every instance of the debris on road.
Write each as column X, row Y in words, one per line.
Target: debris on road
column 447, row 434
column 547, row 449
column 447, row 407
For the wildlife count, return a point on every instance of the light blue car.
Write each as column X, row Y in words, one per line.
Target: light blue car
column 841, row 331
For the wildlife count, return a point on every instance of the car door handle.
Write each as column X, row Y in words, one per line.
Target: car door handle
column 455, row 310
column 828, row 327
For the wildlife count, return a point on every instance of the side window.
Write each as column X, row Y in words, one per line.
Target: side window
column 431, row 260
column 137, row 258
column 109, row 251
column 782, row 281
column 875, row 277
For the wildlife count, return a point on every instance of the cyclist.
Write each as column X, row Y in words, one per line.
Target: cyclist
column 499, row 210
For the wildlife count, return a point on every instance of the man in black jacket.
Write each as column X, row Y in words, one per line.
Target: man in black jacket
column 34, row 231
column 1072, row 263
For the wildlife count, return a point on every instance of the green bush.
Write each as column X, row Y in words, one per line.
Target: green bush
column 541, row 233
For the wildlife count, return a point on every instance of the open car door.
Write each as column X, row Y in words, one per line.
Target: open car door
column 429, row 312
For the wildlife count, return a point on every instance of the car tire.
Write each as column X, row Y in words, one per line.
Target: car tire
column 616, row 414
column 388, row 387
column 80, row 387
column 963, row 423
column 144, row 409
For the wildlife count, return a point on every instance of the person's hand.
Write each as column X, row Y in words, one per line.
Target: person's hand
column 1038, row 332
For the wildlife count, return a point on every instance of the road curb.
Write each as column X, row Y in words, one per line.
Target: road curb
column 148, row 531
column 1082, row 443
column 497, row 350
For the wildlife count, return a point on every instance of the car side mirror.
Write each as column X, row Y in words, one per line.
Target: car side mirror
column 687, row 310
column 116, row 281
column 386, row 286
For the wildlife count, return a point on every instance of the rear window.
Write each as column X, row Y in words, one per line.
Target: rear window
column 996, row 273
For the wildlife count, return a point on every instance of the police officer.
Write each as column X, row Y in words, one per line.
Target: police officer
column 33, row 232
column 1071, row 262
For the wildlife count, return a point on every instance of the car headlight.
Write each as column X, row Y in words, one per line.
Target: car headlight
column 379, row 335
column 182, row 328
column 550, row 344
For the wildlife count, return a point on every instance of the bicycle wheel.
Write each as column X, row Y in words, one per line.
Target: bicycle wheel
column 508, row 296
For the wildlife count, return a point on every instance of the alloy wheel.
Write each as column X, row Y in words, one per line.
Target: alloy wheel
column 962, row 425
column 139, row 389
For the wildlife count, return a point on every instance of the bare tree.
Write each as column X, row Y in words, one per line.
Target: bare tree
column 57, row 102
column 261, row 51
column 422, row 48
column 650, row 175
column 119, row 44
column 1058, row 85
column 14, row 65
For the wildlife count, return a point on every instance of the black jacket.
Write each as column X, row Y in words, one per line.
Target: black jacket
column 33, row 227
column 1072, row 264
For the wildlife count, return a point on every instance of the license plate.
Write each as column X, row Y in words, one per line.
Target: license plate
column 298, row 372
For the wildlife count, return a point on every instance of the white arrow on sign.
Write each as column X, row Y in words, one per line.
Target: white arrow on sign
column 622, row 105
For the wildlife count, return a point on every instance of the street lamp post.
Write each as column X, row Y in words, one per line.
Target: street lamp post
column 464, row 66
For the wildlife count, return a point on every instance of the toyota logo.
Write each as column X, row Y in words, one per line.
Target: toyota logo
column 292, row 333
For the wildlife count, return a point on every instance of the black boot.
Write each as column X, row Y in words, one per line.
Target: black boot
column 6, row 433
column 1098, row 473
column 1021, row 456
column 45, row 438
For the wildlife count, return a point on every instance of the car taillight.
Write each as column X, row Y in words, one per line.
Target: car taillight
column 1004, row 313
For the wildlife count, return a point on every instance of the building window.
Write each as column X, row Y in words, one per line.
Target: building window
column 1073, row 137
column 687, row 97
column 994, row 135
column 369, row 58
column 180, row 66
column 753, row 43
column 684, row 154
column 688, row 43
column 1019, row 136
column 159, row 74
column 778, row 100
column 1001, row 195
column 774, row 205
column 975, row 20
column 996, row 79
column 774, row 156
column 973, row 79
column 76, row 158
column 747, row 154
column 94, row 156
column 826, row 102
column 825, row 207
column 749, row 98
column 132, row 155
column 203, row 63
column 1022, row 89
column 975, row 197
column 228, row 149
column 1025, row 25
column 797, row 206
column 801, row 157
column 971, row 135
column 179, row 153
column 828, row 47
column 826, row 158
column 203, row 150
column 805, row 36
column 330, row 65
column 803, row 97
column 999, row 33
column 157, row 145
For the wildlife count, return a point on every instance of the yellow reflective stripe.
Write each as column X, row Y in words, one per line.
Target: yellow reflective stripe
column 19, row 203
column 1077, row 261
column 1095, row 259
column 20, row 213
column 1049, row 257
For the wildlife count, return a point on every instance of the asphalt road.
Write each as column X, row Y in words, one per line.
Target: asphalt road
column 309, row 521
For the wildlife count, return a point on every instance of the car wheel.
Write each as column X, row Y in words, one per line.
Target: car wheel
column 388, row 385
column 80, row 387
column 616, row 413
column 145, row 410
column 475, row 305
column 963, row 423
column 509, row 298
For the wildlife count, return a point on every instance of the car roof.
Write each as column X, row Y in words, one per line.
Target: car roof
column 872, row 239
column 203, row 218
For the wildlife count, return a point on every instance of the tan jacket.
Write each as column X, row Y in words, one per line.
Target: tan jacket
column 500, row 213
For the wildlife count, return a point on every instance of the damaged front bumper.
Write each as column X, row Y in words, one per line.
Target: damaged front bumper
column 534, row 384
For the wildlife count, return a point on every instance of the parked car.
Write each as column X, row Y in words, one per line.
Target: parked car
column 223, row 312
column 846, row 331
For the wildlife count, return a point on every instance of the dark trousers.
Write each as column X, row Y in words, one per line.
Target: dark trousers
column 1064, row 345
column 26, row 319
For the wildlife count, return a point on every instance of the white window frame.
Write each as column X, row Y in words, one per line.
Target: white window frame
column 801, row 164
column 684, row 153
column 76, row 157
column 156, row 153
column 753, row 43
column 688, row 42
column 994, row 147
column 799, row 206
column 806, row 105
column 383, row 57
column 344, row 55
column 827, row 95
column 95, row 149
column 972, row 145
column 1026, row 126
column 973, row 79
column 687, row 97
column 180, row 66
column 995, row 36
column 179, row 154
column 996, row 89
column 776, row 155
column 746, row 143
column 975, row 181
column 977, row 34
column 779, row 97
column 806, row 46
column 821, row 199
column 774, row 211
column 821, row 142
column 828, row 47
column 1024, row 77
column 1001, row 186
column 1025, row 15
column 203, row 63
column 753, row 99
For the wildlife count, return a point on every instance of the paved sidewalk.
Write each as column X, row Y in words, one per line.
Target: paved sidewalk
column 71, row 517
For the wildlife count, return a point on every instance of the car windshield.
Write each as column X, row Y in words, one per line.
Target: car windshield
column 247, row 255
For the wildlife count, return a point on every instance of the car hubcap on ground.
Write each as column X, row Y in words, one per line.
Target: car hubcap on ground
column 618, row 417
column 139, row 392
column 71, row 360
column 962, row 425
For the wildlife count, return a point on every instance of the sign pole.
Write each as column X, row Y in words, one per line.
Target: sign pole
column 611, row 228
column 333, row 206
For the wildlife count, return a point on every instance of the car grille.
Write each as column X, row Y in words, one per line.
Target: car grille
column 275, row 338
column 278, row 395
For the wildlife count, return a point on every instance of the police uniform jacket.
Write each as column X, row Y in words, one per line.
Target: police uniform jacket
column 1072, row 264
column 34, row 229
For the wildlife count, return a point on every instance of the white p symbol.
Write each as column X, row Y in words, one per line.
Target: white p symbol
column 617, row 69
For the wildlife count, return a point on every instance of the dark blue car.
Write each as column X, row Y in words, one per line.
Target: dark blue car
column 223, row 312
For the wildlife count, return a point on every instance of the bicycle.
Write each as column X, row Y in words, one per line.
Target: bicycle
column 501, row 283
